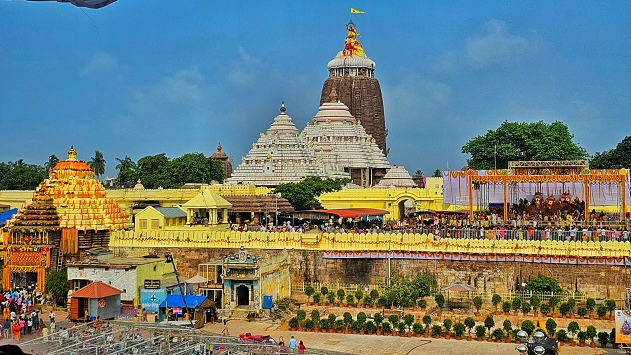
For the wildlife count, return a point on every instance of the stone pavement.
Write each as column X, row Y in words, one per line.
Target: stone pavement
column 383, row 345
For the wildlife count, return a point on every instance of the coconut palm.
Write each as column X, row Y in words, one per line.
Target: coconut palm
column 97, row 163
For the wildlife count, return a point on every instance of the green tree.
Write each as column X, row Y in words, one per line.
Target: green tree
column 302, row 195
column 127, row 175
column 496, row 300
column 21, row 176
column 543, row 283
column 469, row 323
column 551, row 326
column 619, row 157
column 195, row 168
column 489, row 323
column 522, row 141
column 477, row 303
column 97, row 163
column 57, row 284
column 528, row 326
column 52, row 161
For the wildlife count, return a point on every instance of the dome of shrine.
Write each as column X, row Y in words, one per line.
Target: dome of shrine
column 71, row 168
column 397, row 176
column 351, row 61
column 219, row 154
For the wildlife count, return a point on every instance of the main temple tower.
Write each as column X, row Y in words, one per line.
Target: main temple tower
column 352, row 75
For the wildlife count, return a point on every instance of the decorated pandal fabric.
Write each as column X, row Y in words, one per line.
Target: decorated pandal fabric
column 396, row 245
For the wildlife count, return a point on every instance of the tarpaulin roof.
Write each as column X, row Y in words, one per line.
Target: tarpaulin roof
column 6, row 215
column 352, row 212
column 459, row 286
column 192, row 301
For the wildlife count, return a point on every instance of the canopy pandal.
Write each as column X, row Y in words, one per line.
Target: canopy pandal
column 586, row 177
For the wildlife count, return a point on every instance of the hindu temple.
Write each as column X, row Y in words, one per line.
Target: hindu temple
column 352, row 75
column 68, row 214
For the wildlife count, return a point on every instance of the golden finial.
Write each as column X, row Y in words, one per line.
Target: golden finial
column 72, row 154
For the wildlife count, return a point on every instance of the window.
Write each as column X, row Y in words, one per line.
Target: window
column 155, row 224
column 143, row 224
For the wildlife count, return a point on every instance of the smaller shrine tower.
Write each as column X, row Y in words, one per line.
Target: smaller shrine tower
column 226, row 164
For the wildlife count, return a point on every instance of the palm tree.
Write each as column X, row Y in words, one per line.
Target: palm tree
column 126, row 171
column 97, row 163
column 50, row 164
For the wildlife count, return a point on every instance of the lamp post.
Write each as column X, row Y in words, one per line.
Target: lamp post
column 539, row 344
column 169, row 258
column 278, row 195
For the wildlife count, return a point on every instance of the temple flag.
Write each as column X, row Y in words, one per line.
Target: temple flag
column 355, row 11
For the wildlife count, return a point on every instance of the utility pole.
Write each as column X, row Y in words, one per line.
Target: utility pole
column 177, row 278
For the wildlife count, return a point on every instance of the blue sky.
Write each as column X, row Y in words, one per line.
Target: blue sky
column 148, row 77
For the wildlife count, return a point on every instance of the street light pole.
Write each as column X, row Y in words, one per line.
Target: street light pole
column 177, row 279
column 278, row 195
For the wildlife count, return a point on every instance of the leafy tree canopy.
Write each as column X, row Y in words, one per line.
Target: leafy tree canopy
column 97, row 163
column 302, row 195
column 619, row 157
column 21, row 176
column 514, row 141
column 543, row 283
column 57, row 283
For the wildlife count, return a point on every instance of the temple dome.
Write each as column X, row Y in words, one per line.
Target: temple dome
column 71, row 168
column 352, row 61
column 397, row 176
column 219, row 154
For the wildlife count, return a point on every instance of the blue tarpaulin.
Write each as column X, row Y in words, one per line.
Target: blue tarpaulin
column 192, row 301
column 6, row 215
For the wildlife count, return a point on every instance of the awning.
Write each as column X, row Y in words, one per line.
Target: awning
column 197, row 279
column 192, row 301
column 459, row 286
column 351, row 212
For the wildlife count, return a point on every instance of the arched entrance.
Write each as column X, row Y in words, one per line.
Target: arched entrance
column 243, row 296
column 405, row 207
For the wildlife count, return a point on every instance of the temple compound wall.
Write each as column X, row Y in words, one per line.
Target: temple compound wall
column 598, row 281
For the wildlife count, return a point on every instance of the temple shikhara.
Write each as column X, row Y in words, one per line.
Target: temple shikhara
column 68, row 214
column 352, row 75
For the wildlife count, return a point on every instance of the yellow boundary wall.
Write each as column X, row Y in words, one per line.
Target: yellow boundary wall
column 376, row 242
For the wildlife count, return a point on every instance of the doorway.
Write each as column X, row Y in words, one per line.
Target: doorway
column 243, row 296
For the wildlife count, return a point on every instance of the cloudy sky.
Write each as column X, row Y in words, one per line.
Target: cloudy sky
column 141, row 78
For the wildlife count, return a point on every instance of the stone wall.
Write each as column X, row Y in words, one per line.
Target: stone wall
column 488, row 277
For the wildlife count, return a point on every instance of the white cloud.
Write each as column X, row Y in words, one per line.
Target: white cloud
column 243, row 72
column 497, row 46
column 101, row 63
column 416, row 95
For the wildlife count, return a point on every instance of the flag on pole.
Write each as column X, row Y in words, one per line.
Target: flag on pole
column 355, row 11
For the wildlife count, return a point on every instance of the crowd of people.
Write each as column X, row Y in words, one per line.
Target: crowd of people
column 21, row 313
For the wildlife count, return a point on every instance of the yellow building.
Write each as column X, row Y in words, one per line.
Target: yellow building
column 160, row 218
column 392, row 199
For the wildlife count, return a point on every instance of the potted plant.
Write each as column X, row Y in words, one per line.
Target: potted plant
column 545, row 309
column 477, row 303
column 470, row 324
column 359, row 295
column 528, row 326
column 436, row 330
column 402, row 329
column 603, row 339
column 572, row 329
column 331, row 298
column 553, row 302
column 408, row 320
column 404, row 302
column 386, row 328
column 611, row 306
column 301, row 315
column 339, row 325
column 370, row 327
column 496, row 300
column 506, row 307
column 498, row 335
column 382, row 302
column 427, row 320
column 309, row 325
column 480, row 330
column 393, row 319
column 440, row 301
column 561, row 337
column 590, row 304
column 361, row 318
column 374, row 294
column 551, row 327
column 447, row 323
column 293, row 323
column 368, row 301
column 315, row 316
column 489, row 323
column 508, row 329
column 535, row 302
column 591, row 334
column 324, row 325
column 356, row 327
column 459, row 329
column 582, row 312
column 332, row 318
column 378, row 318
column 525, row 308
column 417, row 328
column 309, row 291
column 340, row 296
column 564, row 308
column 582, row 336
column 516, row 305
column 324, row 291
column 348, row 321
column 316, row 298
column 601, row 311
column 422, row 304
column 350, row 300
